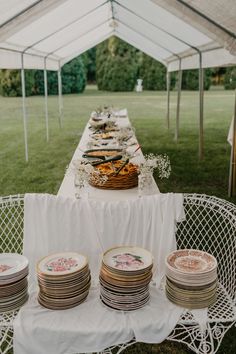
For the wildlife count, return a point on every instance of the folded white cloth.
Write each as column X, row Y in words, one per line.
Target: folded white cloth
column 91, row 327
column 55, row 224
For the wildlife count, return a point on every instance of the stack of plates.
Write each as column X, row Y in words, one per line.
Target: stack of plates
column 64, row 280
column 124, row 278
column 13, row 281
column 191, row 278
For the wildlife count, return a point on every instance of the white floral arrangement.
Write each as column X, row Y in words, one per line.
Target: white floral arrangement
column 152, row 162
column 84, row 171
column 101, row 111
column 124, row 134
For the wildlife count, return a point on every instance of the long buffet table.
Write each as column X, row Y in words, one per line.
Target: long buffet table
column 67, row 188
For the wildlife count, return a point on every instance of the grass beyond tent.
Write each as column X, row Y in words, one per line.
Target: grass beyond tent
column 147, row 112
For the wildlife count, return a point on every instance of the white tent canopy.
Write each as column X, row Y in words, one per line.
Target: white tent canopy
column 167, row 30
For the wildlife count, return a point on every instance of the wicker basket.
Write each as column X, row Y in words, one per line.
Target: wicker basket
column 121, row 180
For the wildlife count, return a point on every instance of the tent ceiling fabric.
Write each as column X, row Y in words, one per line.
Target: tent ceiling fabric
column 167, row 30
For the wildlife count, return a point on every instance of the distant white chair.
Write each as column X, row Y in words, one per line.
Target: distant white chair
column 210, row 225
column 139, row 86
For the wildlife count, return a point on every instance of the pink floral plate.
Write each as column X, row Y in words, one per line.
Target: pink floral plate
column 62, row 263
column 128, row 258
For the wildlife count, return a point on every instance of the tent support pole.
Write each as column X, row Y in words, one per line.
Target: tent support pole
column 46, row 98
column 24, row 107
column 60, row 100
column 168, row 98
column 201, row 106
column 232, row 169
column 178, row 101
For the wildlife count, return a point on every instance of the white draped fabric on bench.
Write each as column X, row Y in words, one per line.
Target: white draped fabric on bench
column 54, row 224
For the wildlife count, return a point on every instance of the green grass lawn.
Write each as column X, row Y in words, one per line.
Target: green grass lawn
column 147, row 111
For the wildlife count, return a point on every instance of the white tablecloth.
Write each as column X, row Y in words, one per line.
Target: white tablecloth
column 54, row 224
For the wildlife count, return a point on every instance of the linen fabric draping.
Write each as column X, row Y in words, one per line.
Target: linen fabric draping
column 55, row 224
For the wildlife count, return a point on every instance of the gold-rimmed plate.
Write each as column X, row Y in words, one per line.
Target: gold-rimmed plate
column 128, row 258
column 61, row 264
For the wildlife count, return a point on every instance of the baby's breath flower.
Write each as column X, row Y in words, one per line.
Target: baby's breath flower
column 161, row 162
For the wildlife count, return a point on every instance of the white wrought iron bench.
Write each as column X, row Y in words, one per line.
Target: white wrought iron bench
column 210, row 225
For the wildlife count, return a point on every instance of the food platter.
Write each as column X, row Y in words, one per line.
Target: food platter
column 100, row 153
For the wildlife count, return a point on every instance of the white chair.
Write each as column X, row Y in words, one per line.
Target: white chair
column 139, row 86
column 11, row 240
column 210, row 225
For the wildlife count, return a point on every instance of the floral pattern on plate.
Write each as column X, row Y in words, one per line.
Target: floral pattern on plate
column 128, row 261
column 61, row 264
column 4, row 267
column 191, row 261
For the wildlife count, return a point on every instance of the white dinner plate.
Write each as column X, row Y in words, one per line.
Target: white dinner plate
column 128, row 258
column 191, row 261
column 11, row 264
column 62, row 263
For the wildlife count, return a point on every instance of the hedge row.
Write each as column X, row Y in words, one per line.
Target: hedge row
column 119, row 65
column 73, row 80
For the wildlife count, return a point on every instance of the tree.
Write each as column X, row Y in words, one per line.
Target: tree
column 153, row 74
column 11, row 82
column 230, row 78
column 73, row 78
column 89, row 59
column 51, row 80
column 116, row 65
column 190, row 80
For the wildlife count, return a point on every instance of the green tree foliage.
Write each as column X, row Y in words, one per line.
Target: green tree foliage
column 73, row 80
column 89, row 59
column 74, row 76
column 190, row 79
column 218, row 75
column 11, row 82
column 51, row 79
column 116, row 65
column 153, row 74
column 230, row 78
